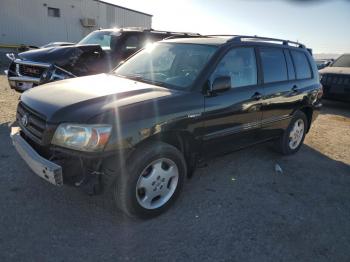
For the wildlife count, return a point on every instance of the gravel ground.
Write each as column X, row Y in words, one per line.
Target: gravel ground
column 236, row 209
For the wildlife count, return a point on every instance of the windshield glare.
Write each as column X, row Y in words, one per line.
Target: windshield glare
column 171, row 64
column 343, row 61
column 102, row 38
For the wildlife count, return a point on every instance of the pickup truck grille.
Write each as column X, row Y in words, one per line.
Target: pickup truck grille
column 32, row 124
column 335, row 80
column 32, row 71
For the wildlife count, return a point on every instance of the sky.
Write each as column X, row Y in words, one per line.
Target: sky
column 322, row 25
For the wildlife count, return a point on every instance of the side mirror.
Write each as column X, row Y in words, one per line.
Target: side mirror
column 221, row 84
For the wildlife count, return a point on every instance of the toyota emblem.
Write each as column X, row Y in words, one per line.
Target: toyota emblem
column 24, row 120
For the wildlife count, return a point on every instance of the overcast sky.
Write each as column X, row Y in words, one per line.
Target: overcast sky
column 321, row 25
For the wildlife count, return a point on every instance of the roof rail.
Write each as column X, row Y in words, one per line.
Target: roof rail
column 239, row 38
column 173, row 33
column 182, row 35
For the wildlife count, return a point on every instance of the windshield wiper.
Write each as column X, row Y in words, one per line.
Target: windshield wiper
column 131, row 76
column 138, row 77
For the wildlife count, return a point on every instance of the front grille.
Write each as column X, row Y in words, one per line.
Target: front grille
column 30, row 70
column 31, row 123
column 335, row 80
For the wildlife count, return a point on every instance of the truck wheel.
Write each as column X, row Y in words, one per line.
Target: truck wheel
column 151, row 181
column 293, row 136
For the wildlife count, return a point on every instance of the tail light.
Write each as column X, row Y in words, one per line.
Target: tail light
column 320, row 92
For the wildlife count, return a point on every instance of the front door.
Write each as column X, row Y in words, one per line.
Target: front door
column 232, row 117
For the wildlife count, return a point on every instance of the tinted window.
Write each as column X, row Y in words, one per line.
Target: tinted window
column 291, row 71
column 240, row 65
column 131, row 42
column 302, row 66
column 274, row 65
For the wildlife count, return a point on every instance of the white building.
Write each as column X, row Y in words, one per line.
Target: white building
column 38, row 22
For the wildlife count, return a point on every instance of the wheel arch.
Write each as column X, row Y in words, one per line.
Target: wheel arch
column 182, row 140
column 308, row 111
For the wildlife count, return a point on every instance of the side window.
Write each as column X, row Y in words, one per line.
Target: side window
column 240, row 65
column 291, row 71
column 131, row 43
column 274, row 65
column 302, row 66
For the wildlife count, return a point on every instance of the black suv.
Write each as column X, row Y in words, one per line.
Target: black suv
column 99, row 52
column 142, row 128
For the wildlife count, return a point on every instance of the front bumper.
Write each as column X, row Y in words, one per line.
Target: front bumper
column 22, row 80
column 23, row 75
column 44, row 168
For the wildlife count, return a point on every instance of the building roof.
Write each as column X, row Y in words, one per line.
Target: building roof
column 122, row 7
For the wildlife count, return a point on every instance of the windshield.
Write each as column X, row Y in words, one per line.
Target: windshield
column 106, row 39
column 343, row 61
column 170, row 64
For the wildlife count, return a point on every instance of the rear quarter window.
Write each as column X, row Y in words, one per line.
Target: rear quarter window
column 273, row 64
column 302, row 65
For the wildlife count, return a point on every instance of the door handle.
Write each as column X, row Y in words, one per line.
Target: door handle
column 295, row 88
column 257, row 96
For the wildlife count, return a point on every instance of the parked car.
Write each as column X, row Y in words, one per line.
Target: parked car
column 336, row 79
column 322, row 63
column 98, row 52
column 143, row 127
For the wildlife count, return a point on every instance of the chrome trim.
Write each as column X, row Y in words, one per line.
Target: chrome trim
column 31, row 63
column 24, row 79
column 274, row 119
column 232, row 130
column 44, row 168
column 11, row 56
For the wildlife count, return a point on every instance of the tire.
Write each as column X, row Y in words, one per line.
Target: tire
column 289, row 144
column 151, row 180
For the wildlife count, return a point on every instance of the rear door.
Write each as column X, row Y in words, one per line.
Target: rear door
column 231, row 117
column 279, row 90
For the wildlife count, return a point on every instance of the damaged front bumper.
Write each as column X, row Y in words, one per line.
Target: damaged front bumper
column 92, row 173
column 44, row 168
column 23, row 74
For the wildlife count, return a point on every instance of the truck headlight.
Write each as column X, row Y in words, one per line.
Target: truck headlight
column 89, row 138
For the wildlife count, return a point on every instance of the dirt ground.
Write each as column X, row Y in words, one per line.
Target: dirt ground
column 236, row 209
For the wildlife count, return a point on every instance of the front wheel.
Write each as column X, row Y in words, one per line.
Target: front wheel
column 151, row 180
column 293, row 137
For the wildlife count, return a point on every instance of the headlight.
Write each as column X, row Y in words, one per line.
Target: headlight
column 82, row 137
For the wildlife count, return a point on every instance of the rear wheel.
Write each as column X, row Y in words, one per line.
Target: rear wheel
column 151, row 181
column 294, row 135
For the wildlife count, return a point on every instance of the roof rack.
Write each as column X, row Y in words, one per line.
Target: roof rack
column 239, row 38
column 141, row 29
column 182, row 35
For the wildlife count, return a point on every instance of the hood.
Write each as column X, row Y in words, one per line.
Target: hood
column 335, row 70
column 59, row 55
column 79, row 99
